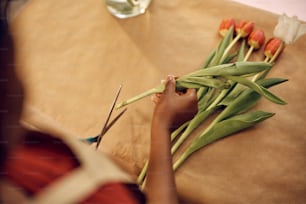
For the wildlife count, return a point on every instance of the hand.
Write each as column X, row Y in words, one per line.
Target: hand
column 174, row 108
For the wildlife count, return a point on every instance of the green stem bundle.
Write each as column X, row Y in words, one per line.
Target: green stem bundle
column 221, row 85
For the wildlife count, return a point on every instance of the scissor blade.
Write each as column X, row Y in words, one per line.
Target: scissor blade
column 94, row 139
column 108, row 117
column 114, row 121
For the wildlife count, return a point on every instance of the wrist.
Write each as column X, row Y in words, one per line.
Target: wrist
column 161, row 124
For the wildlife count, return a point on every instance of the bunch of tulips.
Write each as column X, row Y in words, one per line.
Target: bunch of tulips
column 227, row 83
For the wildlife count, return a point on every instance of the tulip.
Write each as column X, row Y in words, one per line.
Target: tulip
column 244, row 28
column 256, row 39
column 289, row 29
column 225, row 25
column 274, row 48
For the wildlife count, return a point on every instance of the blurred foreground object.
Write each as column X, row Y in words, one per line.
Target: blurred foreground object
column 127, row 8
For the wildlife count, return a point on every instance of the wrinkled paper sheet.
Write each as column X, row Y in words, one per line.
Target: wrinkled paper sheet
column 72, row 56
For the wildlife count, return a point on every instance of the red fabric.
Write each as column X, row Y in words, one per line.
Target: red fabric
column 114, row 193
column 42, row 159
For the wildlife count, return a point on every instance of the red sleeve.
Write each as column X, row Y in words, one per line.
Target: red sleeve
column 42, row 159
column 115, row 193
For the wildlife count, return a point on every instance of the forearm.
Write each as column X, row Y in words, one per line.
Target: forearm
column 160, row 186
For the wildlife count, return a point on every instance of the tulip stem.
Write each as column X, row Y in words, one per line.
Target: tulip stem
column 218, row 99
column 276, row 54
column 261, row 74
column 194, row 123
column 179, row 130
column 149, row 92
column 229, row 47
column 143, row 173
column 247, row 56
column 180, row 160
column 143, row 185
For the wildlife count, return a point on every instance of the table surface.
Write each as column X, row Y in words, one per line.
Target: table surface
column 72, row 55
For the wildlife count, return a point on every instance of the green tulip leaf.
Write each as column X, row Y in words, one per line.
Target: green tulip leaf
column 198, row 82
column 209, row 59
column 222, row 47
column 267, row 83
column 193, row 124
column 231, row 69
column 259, row 89
column 241, row 52
column 228, row 127
column 205, row 100
column 228, row 59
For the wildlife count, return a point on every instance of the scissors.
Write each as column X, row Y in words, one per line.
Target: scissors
column 107, row 124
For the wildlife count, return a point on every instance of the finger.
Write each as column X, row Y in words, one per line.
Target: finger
column 158, row 95
column 191, row 92
column 155, row 98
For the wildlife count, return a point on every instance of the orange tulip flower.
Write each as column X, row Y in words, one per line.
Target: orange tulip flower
column 244, row 28
column 274, row 46
column 256, row 39
column 225, row 25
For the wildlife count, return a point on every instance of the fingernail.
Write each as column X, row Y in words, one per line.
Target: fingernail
column 171, row 77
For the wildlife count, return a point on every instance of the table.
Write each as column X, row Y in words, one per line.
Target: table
column 72, row 56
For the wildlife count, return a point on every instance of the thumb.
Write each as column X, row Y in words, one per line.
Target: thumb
column 170, row 84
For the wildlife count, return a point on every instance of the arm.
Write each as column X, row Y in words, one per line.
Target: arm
column 172, row 109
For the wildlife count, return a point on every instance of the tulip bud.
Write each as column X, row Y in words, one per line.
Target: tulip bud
column 244, row 28
column 225, row 25
column 274, row 46
column 256, row 39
